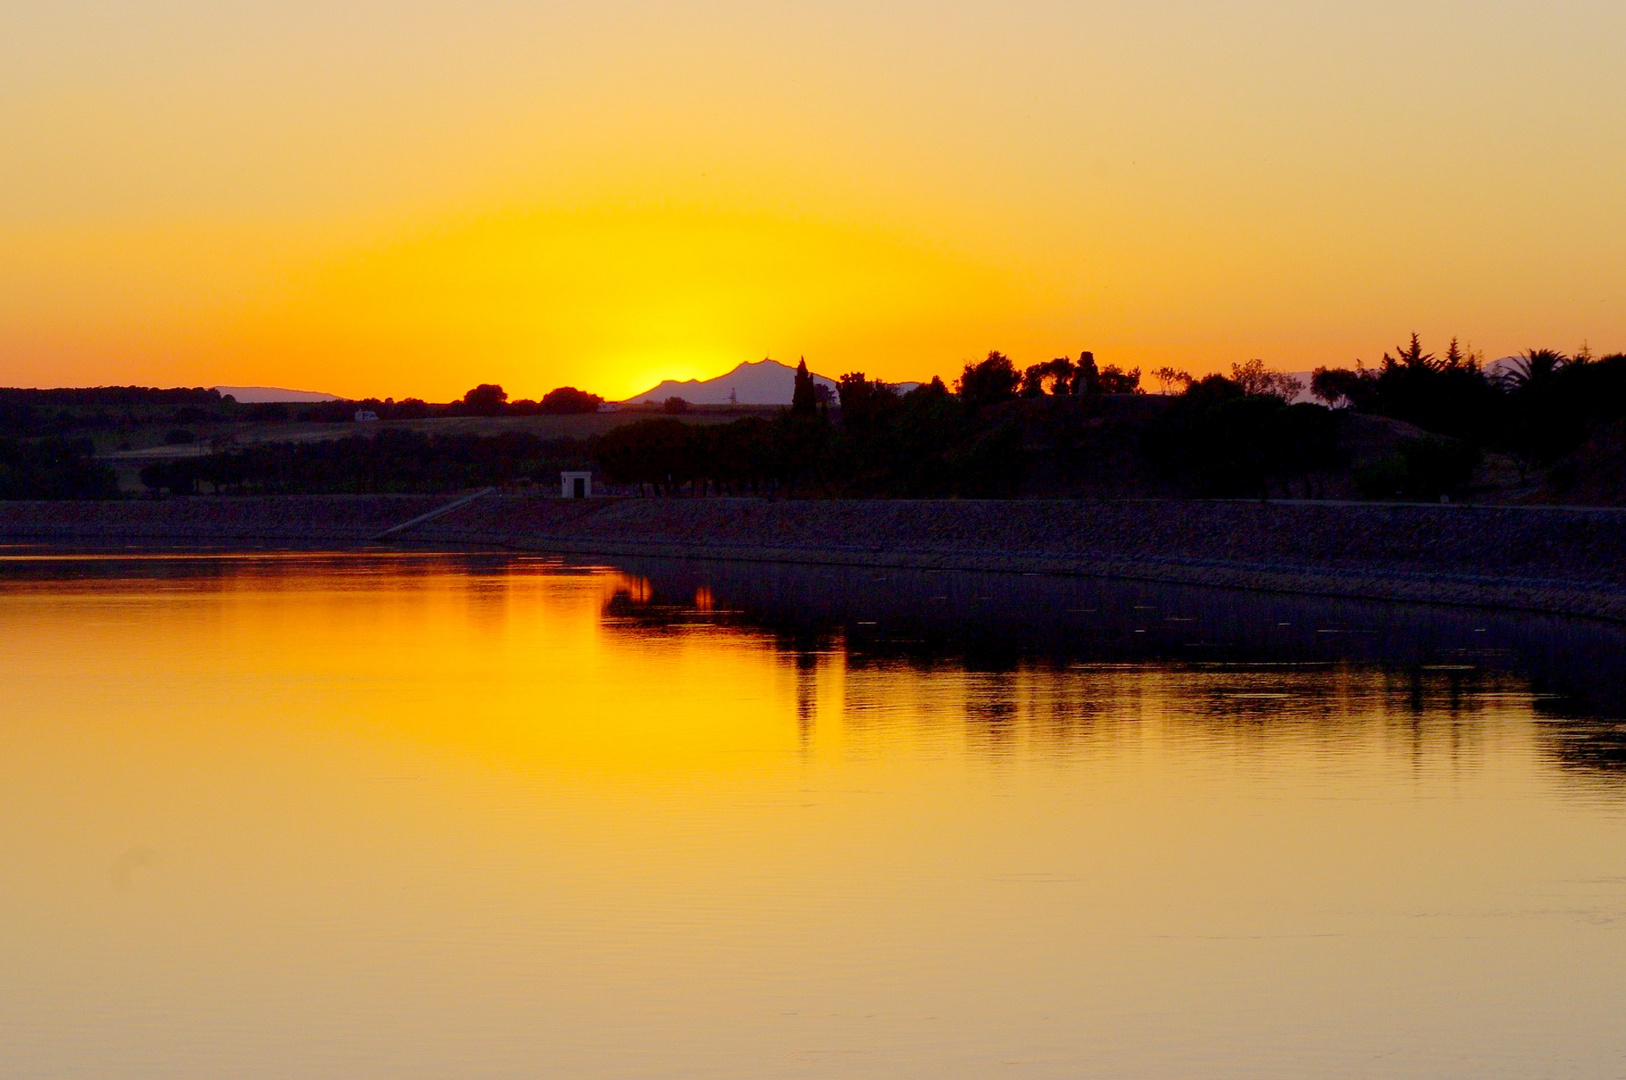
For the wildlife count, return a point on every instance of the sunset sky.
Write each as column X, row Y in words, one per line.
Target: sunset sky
column 407, row 198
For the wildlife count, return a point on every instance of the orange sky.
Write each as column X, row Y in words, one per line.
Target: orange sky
column 408, row 198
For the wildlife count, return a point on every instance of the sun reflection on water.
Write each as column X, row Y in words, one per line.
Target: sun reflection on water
column 478, row 814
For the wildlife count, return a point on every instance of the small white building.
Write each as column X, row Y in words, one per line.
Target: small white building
column 575, row 485
column 365, row 416
column 608, row 406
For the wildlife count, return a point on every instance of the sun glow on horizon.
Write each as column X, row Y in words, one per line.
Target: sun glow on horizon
column 627, row 297
column 608, row 197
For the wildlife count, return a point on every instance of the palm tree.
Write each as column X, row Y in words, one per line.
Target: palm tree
column 1533, row 367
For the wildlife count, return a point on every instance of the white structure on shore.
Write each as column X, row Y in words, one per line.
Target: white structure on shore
column 575, row 485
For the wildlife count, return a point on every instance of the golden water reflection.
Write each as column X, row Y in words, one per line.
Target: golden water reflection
column 409, row 815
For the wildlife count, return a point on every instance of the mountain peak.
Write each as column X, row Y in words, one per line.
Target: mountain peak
column 752, row 382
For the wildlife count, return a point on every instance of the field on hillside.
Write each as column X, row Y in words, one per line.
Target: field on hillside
column 128, row 449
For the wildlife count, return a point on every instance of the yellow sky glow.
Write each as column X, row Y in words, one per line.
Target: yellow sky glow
column 400, row 200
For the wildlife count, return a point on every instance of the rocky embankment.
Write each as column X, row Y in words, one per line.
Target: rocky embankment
column 1570, row 561
column 305, row 521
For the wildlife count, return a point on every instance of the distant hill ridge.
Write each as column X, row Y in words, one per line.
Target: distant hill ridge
column 259, row 395
column 758, row 382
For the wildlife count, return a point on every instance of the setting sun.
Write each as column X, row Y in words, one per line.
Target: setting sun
column 866, row 540
column 607, row 195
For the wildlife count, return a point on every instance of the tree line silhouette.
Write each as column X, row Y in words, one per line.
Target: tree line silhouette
column 53, row 468
column 982, row 439
column 1063, row 426
column 1542, row 409
column 1245, row 434
column 54, row 413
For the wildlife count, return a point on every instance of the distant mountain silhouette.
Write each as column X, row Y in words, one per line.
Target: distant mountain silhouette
column 255, row 395
column 763, row 382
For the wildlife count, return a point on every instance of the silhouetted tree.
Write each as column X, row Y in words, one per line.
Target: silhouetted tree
column 990, row 464
column 1305, row 438
column 660, row 452
column 1169, row 377
column 569, row 400
column 1411, row 356
column 1255, row 378
column 1114, row 380
column 53, row 469
column 1555, row 405
column 799, row 443
column 485, row 400
column 1450, row 395
column 988, row 382
column 863, row 401
column 803, row 399
column 739, row 454
column 1336, row 386
column 1086, row 378
column 1051, row 377
column 1457, row 357
column 1224, row 441
column 1532, row 369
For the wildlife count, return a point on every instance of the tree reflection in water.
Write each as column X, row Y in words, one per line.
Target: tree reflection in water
column 1042, row 658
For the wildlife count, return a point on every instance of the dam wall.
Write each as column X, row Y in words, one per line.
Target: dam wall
column 1562, row 560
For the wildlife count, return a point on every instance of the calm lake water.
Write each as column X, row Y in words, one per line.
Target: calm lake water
column 406, row 815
